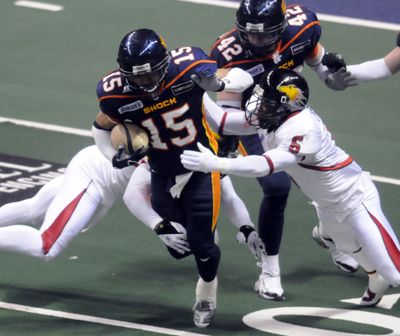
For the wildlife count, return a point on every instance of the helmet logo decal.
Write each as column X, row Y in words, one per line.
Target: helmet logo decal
column 292, row 92
column 138, row 69
column 254, row 27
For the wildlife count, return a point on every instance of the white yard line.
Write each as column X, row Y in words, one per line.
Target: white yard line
column 87, row 133
column 39, row 5
column 95, row 319
column 322, row 17
column 47, row 127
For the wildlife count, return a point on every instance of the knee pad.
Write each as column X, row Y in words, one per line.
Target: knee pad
column 202, row 249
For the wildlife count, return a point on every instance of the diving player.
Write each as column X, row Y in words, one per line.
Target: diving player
column 70, row 204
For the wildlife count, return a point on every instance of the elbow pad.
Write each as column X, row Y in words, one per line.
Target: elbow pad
column 237, row 81
column 102, row 139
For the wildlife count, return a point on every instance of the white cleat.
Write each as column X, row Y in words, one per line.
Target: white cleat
column 203, row 313
column 343, row 261
column 269, row 287
column 377, row 286
column 206, row 302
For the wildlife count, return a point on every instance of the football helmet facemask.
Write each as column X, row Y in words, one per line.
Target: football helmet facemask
column 260, row 24
column 280, row 93
column 143, row 60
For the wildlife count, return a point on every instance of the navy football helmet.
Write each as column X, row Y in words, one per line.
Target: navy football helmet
column 260, row 24
column 280, row 93
column 143, row 60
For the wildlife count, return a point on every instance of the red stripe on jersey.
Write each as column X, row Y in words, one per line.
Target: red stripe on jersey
column 222, row 124
column 391, row 247
column 340, row 165
column 270, row 164
column 50, row 236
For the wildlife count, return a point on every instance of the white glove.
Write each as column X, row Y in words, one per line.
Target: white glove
column 248, row 235
column 173, row 235
column 204, row 160
column 339, row 80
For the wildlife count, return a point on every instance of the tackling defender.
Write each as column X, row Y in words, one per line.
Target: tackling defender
column 77, row 200
column 296, row 140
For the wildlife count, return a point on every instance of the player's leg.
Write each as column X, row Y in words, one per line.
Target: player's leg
column 21, row 239
column 31, row 210
column 379, row 244
column 366, row 235
column 275, row 189
column 343, row 261
column 237, row 213
column 69, row 213
column 201, row 200
column 232, row 205
column 164, row 205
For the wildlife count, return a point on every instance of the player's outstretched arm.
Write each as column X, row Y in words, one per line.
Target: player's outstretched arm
column 238, row 215
column 204, row 160
column 331, row 69
column 235, row 80
column 137, row 200
column 101, row 131
column 376, row 69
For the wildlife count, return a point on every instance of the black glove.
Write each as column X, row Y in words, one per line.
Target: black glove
column 248, row 235
column 333, row 61
column 174, row 236
column 122, row 160
column 398, row 40
column 208, row 81
column 227, row 145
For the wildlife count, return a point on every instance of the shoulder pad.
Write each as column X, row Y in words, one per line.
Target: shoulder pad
column 227, row 48
column 190, row 59
column 111, row 84
column 302, row 24
column 299, row 136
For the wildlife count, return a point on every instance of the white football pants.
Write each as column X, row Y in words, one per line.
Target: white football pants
column 366, row 235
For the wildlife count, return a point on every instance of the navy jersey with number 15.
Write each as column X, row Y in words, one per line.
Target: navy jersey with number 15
column 175, row 121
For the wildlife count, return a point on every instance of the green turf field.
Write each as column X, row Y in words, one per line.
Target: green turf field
column 118, row 278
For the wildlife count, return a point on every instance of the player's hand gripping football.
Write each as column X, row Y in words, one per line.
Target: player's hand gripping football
column 122, row 159
column 173, row 236
column 208, row 81
column 248, row 235
column 338, row 78
column 204, row 160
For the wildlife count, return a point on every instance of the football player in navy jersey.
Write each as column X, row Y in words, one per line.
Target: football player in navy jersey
column 269, row 35
column 153, row 88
